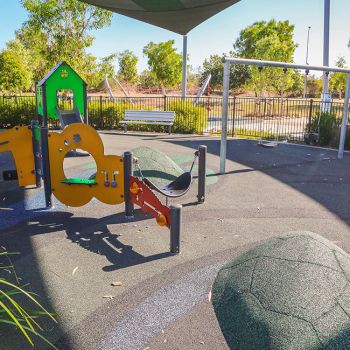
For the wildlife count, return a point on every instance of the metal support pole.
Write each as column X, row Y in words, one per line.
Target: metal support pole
column 34, row 126
column 128, row 171
column 184, row 65
column 327, row 6
column 175, row 228
column 345, row 119
column 225, row 95
column 46, row 175
column 202, row 165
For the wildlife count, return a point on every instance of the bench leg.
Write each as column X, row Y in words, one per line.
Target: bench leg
column 169, row 129
column 125, row 128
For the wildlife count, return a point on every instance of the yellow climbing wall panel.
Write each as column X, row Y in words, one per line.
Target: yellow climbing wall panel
column 18, row 140
column 84, row 137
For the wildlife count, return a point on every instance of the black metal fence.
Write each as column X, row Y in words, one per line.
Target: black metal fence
column 269, row 118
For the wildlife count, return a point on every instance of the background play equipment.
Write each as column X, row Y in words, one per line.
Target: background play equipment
column 62, row 77
column 202, row 89
column 284, row 65
column 288, row 293
column 165, row 118
column 111, row 95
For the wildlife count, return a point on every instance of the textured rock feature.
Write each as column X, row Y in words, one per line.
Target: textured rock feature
column 292, row 292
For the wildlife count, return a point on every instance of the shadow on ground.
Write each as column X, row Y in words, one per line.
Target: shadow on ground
column 315, row 172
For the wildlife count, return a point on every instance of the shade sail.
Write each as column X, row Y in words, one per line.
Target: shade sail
column 179, row 16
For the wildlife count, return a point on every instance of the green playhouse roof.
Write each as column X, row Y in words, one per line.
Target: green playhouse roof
column 53, row 70
column 179, row 16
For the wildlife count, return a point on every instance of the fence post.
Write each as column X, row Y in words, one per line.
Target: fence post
column 310, row 115
column 234, row 116
column 101, row 111
column 164, row 102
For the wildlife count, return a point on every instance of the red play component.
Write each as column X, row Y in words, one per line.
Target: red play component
column 143, row 196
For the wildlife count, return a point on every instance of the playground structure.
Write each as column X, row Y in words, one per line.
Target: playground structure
column 261, row 64
column 61, row 78
column 39, row 155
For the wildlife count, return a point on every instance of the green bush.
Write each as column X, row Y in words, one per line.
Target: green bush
column 328, row 125
column 16, row 110
column 189, row 118
column 108, row 114
column 105, row 113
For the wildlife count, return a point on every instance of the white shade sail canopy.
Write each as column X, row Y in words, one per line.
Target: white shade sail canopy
column 179, row 16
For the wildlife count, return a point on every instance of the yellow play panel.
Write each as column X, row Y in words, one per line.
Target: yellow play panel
column 107, row 186
column 18, row 140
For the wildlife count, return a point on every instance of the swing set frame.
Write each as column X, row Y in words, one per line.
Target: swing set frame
column 225, row 98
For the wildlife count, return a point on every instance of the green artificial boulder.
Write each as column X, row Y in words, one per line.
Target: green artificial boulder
column 291, row 292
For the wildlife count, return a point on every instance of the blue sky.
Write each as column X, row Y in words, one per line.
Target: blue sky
column 216, row 35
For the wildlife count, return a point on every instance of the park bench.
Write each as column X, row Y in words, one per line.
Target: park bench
column 165, row 118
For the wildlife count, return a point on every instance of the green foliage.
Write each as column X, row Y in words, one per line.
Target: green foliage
column 106, row 114
column 147, row 79
column 328, row 124
column 66, row 26
column 337, row 83
column 314, row 86
column 60, row 30
column 13, row 74
column 16, row 110
column 13, row 311
column 189, row 118
column 238, row 73
column 127, row 66
column 164, row 62
column 271, row 41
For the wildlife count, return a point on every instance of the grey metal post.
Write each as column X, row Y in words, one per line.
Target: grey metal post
column 202, row 164
column 175, row 228
column 345, row 119
column 36, row 153
column 184, row 65
column 128, row 171
column 46, row 165
column 225, row 95
column 327, row 6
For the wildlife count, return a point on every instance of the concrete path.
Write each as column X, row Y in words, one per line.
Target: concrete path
column 71, row 256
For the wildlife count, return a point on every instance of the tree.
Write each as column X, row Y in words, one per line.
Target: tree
column 164, row 62
column 61, row 30
column 127, row 66
column 14, row 76
column 268, row 41
column 238, row 74
column 147, row 79
column 337, row 83
column 314, row 86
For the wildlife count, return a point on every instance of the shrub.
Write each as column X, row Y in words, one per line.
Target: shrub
column 189, row 118
column 328, row 125
column 16, row 110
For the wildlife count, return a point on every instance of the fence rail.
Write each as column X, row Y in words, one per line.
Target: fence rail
column 268, row 118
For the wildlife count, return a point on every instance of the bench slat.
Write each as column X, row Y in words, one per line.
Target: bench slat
column 145, row 122
column 149, row 115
